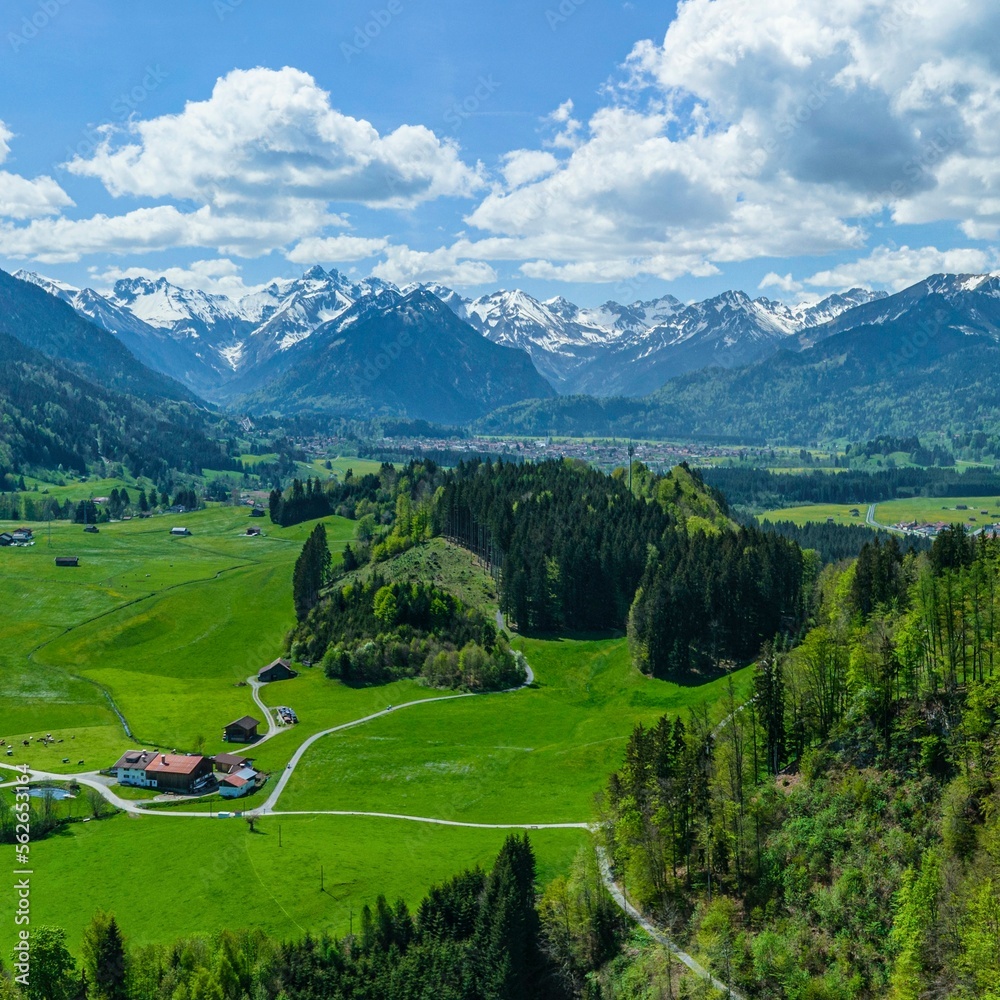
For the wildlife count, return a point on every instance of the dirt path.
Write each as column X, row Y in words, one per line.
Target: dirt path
column 95, row 780
column 655, row 933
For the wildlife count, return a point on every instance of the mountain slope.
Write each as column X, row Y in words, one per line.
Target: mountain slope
column 934, row 365
column 51, row 417
column 632, row 350
column 37, row 319
column 414, row 357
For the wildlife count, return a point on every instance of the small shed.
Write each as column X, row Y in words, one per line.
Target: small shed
column 257, row 512
column 6, row 538
column 67, row 560
column 180, row 531
column 230, row 763
column 242, row 730
column 277, row 670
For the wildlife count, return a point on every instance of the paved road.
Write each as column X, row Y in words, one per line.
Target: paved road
column 654, row 932
column 94, row 779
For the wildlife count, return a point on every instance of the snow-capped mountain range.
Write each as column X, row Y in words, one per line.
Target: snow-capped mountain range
column 221, row 347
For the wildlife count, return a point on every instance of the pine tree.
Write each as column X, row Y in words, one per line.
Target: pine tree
column 311, row 573
column 104, row 958
column 505, row 942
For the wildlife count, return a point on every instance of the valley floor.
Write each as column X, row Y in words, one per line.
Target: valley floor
column 169, row 629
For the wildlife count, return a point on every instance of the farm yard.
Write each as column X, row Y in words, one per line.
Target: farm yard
column 171, row 628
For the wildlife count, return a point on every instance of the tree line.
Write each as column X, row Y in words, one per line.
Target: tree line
column 832, row 830
column 477, row 936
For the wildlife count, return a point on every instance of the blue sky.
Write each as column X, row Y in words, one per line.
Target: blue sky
column 592, row 149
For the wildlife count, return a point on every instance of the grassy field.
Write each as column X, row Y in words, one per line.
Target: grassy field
column 168, row 877
column 930, row 509
column 535, row 756
column 445, row 565
column 169, row 628
column 817, row 513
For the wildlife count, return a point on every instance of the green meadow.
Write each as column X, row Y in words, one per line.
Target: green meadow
column 169, row 628
column 533, row 756
column 819, row 513
column 931, row 509
column 921, row 509
column 166, row 877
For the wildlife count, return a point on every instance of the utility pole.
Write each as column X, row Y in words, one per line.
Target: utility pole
column 631, row 452
column 321, row 879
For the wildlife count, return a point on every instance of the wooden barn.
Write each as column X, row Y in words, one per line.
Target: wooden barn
column 277, row 670
column 230, row 763
column 242, row 730
column 67, row 560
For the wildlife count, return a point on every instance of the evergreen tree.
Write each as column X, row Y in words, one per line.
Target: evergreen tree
column 505, row 951
column 104, row 958
column 311, row 573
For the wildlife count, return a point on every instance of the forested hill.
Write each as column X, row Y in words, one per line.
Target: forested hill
column 839, row 837
column 765, row 490
column 51, row 417
column 903, row 377
column 574, row 549
column 39, row 320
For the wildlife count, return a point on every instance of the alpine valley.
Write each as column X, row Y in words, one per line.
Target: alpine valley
column 298, row 331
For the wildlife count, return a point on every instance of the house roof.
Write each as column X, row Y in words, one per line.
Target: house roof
column 234, row 780
column 174, row 763
column 135, row 758
column 231, row 759
column 280, row 662
column 247, row 722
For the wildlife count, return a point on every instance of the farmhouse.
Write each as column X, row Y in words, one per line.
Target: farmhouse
column 242, row 782
column 164, row 771
column 67, row 560
column 242, row 730
column 257, row 512
column 180, row 531
column 278, row 670
column 230, row 763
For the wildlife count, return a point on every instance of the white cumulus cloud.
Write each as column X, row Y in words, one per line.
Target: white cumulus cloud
column 335, row 249
column 898, row 268
column 21, row 198
column 403, row 265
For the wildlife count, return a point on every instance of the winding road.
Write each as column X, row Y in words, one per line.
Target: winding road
column 102, row 783
column 654, row 932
